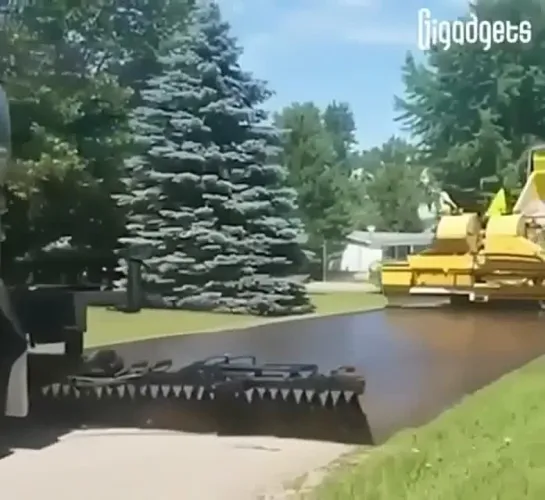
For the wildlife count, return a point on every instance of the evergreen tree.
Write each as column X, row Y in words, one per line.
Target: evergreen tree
column 207, row 205
column 340, row 124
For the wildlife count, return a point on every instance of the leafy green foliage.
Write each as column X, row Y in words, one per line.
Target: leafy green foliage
column 316, row 171
column 396, row 194
column 72, row 70
column 134, row 123
column 67, row 133
column 390, row 182
column 474, row 110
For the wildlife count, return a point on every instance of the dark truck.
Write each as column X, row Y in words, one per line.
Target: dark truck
column 228, row 389
column 31, row 315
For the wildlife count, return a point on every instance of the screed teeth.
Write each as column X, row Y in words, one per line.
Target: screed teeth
column 302, row 397
column 154, row 391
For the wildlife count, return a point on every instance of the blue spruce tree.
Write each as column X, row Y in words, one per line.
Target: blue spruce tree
column 172, row 183
column 208, row 205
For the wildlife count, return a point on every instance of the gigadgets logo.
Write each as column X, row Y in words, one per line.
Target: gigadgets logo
column 432, row 32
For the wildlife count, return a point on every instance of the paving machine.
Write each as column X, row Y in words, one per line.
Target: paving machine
column 498, row 257
column 101, row 389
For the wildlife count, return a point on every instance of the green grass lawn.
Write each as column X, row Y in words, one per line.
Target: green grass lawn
column 489, row 447
column 109, row 327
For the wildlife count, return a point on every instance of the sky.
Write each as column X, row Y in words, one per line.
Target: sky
column 343, row 50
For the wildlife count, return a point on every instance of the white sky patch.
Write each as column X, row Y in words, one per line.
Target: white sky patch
column 274, row 28
column 284, row 23
column 378, row 36
column 355, row 3
column 288, row 22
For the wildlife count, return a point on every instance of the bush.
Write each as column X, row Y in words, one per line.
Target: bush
column 375, row 270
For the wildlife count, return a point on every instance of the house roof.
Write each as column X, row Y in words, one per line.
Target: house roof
column 377, row 239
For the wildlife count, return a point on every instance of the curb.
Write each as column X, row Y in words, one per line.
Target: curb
column 258, row 323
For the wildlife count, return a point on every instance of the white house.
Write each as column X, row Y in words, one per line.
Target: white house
column 366, row 248
column 359, row 257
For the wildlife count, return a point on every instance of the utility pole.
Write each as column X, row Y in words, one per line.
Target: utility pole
column 324, row 260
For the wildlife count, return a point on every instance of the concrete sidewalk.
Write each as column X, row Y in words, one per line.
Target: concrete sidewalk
column 145, row 465
column 340, row 286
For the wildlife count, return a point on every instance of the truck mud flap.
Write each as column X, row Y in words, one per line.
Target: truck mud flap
column 13, row 364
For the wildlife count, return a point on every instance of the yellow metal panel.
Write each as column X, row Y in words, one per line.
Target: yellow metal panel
column 446, row 280
column 538, row 161
column 531, row 201
column 505, row 239
column 457, row 226
column 457, row 234
column 444, row 263
column 396, row 277
column 513, row 246
column 505, row 225
column 539, row 181
column 498, row 205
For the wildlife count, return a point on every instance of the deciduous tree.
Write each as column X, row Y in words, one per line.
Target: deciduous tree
column 475, row 110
